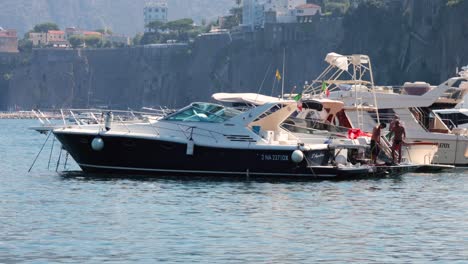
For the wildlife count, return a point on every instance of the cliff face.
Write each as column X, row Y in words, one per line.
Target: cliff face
column 413, row 41
column 167, row 75
column 80, row 78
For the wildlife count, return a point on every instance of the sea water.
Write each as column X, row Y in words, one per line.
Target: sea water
column 48, row 217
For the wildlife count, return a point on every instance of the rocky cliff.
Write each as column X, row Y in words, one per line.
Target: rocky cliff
column 410, row 40
column 169, row 75
column 407, row 41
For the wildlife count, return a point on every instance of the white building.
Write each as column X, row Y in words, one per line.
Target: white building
column 304, row 13
column 254, row 11
column 155, row 10
column 283, row 6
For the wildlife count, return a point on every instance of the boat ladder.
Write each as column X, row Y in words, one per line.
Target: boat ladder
column 359, row 113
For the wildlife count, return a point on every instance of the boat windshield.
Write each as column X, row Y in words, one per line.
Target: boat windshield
column 204, row 112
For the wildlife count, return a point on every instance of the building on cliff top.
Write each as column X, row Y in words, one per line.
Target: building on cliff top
column 155, row 10
column 8, row 40
column 72, row 31
column 256, row 13
column 306, row 12
column 54, row 38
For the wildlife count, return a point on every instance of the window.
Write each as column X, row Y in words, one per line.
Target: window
column 269, row 112
column 451, row 119
column 203, row 112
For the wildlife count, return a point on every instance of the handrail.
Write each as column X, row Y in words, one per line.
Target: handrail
column 450, row 122
column 76, row 120
column 386, row 146
column 124, row 124
column 316, row 131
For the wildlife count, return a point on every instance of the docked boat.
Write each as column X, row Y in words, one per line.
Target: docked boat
column 415, row 106
column 317, row 123
column 208, row 139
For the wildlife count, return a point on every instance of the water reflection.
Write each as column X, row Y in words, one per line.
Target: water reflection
column 46, row 217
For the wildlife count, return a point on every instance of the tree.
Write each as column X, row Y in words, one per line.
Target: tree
column 150, row 38
column 453, row 2
column 337, row 7
column 137, row 39
column 182, row 29
column 156, row 26
column 76, row 41
column 181, row 25
column 92, row 41
column 235, row 17
column 25, row 45
column 104, row 31
column 45, row 27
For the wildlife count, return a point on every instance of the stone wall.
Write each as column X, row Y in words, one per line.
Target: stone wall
column 8, row 44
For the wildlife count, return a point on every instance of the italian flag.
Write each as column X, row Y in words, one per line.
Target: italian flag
column 298, row 99
column 325, row 89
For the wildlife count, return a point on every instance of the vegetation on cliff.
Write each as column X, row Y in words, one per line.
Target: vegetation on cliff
column 124, row 16
column 45, row 27
column 454, row 2
column 181, row 30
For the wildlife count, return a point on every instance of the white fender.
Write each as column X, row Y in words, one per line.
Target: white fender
column 97, row 144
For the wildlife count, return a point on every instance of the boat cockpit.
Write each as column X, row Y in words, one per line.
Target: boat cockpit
column 203, row 112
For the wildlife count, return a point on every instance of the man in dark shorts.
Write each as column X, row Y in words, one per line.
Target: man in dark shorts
column 399, row 134
column 375, row 142
column 392, row 123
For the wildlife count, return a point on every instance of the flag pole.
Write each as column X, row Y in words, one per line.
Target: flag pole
column 282, row 85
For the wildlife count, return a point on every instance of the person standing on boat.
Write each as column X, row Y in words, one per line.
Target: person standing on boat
column 399, row 134
column 392, row 123
column 375, row 141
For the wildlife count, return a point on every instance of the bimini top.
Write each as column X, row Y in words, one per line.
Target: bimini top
column 203, row 112
column 452, row 111
column 250, row 98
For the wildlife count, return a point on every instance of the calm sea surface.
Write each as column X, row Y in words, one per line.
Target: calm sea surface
column 48, row 218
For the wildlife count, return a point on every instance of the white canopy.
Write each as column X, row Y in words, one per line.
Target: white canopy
column 464, row 72
column 337, row 60
column 251, row 98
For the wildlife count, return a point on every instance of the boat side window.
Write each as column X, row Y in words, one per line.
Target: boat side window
column 269, row 112
column 451, row 119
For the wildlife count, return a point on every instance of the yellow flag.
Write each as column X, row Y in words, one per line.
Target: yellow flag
column 278, row 75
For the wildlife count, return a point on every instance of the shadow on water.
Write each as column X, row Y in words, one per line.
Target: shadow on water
column 84, row 176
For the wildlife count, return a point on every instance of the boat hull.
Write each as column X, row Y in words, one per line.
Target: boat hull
column 139, row 156
column 152, row 156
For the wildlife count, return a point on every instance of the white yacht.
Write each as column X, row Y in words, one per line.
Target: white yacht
column 415, row 105
column 316, row 123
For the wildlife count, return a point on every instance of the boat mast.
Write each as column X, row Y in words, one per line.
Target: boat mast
column 282, row 79
column 373, row 92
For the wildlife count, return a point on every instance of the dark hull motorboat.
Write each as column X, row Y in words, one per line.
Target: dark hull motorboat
column 133, row 156
column 250, row 143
